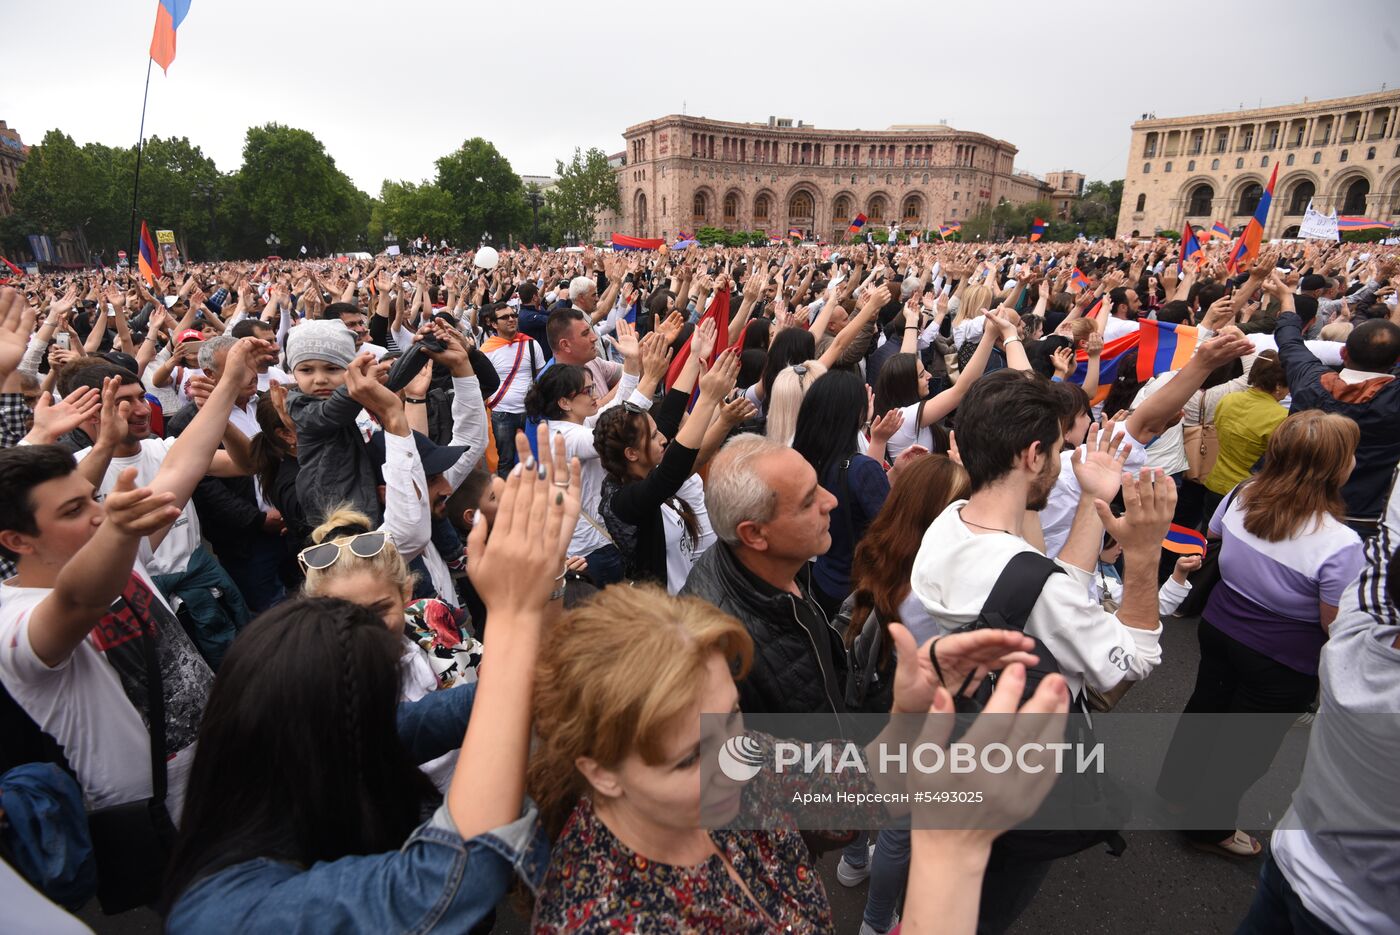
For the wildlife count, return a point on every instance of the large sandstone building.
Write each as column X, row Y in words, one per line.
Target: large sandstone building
column 1342, row 155
column 13, row 153
column 681, row 173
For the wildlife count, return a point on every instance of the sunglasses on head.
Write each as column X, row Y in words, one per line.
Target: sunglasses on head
column 325, row 554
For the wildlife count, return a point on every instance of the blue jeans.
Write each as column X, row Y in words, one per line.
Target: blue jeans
column 604, row 566
column 1277, row 910
column 889, row 874
column 504, row 425
column 256, row 571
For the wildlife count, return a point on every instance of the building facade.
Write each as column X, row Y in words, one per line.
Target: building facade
column 680, row 173
column 1068, row 187
column 1341, row 154
column 13, row 152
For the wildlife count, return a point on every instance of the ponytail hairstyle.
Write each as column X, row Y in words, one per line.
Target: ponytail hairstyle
column 618, row 429
column 560, row 381
column 344, row 522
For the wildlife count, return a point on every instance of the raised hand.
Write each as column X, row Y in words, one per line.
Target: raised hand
column 656, row 357
column 1098, row 463
column 716, row 382
column 1149, row 499
column 702, row 344
column 16, row 326
column 883, row 428
column 737, row 411
column 136, row 511
column 1063, row 361
column 54, row 420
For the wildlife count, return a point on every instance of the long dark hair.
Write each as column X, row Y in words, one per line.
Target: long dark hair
column 897, row 385
column 831, row 415
column 560, row 381
column 791, row 346
column 1125, row 385
column 618, row 429
column 299, row 757
column 268, row 448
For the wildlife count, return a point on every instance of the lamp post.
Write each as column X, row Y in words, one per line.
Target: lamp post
column 536, row 199
column 273, row 242
column 206, row 190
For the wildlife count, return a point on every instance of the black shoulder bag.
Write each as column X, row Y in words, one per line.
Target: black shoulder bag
column 132, row 842
column 1099, row 805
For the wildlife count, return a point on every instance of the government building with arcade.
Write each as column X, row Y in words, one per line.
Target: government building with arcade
column 1341, row 155
column 680, row 173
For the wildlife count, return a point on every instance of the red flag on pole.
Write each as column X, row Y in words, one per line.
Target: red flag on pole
column 719, row 312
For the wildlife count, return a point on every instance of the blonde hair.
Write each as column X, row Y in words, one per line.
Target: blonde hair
column 388, row 564
column 786, row 399
column 612, row 679
column 975, row 300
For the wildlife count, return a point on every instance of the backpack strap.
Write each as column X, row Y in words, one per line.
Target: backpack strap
column 1017, row 588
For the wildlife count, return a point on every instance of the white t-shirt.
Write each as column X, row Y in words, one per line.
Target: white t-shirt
column 1168, row 450
column 909, row 433
column 578, row 443
column 93, row 703
column 681, row 556
column 184, row 536
column 274, row 375
column 503, row 359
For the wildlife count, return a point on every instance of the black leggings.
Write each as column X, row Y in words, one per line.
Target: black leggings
column 1233, row 752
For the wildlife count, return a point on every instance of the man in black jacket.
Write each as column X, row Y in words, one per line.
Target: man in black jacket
column 772, row 517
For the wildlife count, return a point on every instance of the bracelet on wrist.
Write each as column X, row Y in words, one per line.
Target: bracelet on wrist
column 415, row 401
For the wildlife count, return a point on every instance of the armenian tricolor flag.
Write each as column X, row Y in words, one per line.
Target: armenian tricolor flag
column 1078, row 280
column 794, row 233
column 1218, row 229
column 146, row 257
column 952, row 227
column 1190, row 247
column 1345, row 223
column 1184, row 540
column 1163, row 347
column 623, row 242
column 857, row 223
column 1037, row 229
column 1247, row 247
column 19, row 273
column 169, row 15
column 1108, row 364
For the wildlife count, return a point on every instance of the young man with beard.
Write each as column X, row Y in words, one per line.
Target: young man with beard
column 1009, row 438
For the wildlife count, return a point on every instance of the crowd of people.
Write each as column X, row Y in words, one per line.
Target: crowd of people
column 255, row 518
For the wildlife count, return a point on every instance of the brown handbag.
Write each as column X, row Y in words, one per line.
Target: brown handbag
column 1202, row 446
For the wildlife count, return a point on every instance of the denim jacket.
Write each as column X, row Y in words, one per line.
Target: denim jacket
column 437, row 882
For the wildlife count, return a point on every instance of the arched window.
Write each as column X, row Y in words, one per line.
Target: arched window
column 663, row 205
column 1249, row 198
column 913, row 207
column 641, row 212
column 1239, row 163
column 761, row 208
column 800, row 205
column 1371, row 152
column 1264, row 162
column 925, row 178
column 1289, row 160
column 1300, row 196
column 1199, row 202
column 699, row 207
column 1141, row 203
column 1214, row 165
column 1342, row 157
column 841, row 211
column 1146, row 168
column 1168, row 167
column 1355, row 200
column 731, row 207
column 876, row 210
column 1317, row 157
column 1191, row 166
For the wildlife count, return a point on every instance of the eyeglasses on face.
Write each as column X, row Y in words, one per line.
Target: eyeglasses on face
column 511, row 317
column 326, row 554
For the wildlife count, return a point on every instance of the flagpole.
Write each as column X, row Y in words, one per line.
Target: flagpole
column 136, row 184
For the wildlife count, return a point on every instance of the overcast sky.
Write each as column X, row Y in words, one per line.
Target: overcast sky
column 389, row 86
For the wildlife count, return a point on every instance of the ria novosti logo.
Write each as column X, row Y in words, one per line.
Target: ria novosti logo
column 741, row 758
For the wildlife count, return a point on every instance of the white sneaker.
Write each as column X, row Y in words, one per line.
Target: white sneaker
column 847, row 875
column 867, row 929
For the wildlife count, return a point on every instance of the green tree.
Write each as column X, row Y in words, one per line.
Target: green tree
column 289, row 186
column 485, row 193
column 1096, row 211
column 63, row 187
column 586, row 186
column 410, row 210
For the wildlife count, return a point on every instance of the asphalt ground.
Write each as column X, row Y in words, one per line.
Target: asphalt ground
column 1159, row 885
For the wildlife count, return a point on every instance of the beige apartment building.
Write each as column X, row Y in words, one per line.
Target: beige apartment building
column 679, row 173
column 1341, row 154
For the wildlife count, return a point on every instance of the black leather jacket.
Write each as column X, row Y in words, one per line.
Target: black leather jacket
column 799, row 660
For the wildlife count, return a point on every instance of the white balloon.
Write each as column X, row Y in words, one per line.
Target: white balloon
column 486, row 258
